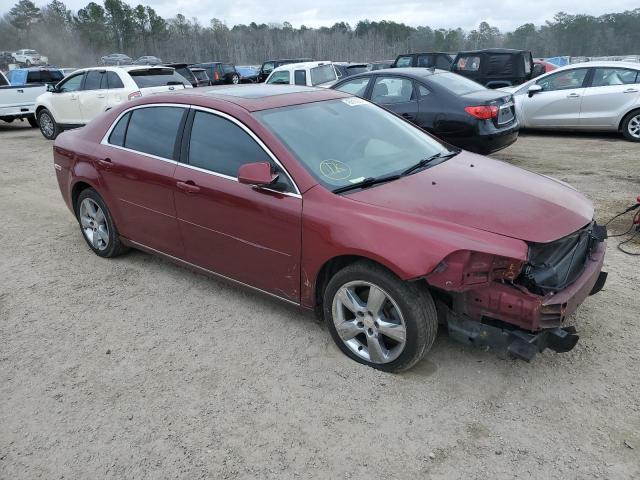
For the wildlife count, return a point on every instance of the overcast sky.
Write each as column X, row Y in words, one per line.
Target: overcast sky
column 505, row 14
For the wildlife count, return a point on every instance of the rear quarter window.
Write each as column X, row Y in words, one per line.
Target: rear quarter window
column 403, row 62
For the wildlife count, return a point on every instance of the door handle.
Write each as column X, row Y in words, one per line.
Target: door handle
column 631, row 90
column 189, row 186
column 74, row 97
column 573, row 95
column 105, row 163
column 100, row 96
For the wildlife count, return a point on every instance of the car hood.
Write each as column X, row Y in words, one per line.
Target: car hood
column 486, row 194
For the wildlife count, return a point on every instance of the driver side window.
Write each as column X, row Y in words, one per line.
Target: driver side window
column 563, row 80
column 356, row 86
column 72, row 84
column 387, row 90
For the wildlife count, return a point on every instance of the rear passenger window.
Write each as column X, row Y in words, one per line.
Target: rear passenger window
column 403, row 62
column 117, row 134
column 113, row 80
column 300, row 77
column 92, row 81
column 221, row 146
column 154, row 130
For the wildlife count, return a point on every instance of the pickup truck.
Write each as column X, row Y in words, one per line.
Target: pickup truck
column 29, row 57
column 17, row 102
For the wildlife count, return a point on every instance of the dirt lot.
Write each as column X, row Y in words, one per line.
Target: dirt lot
column 137, row 368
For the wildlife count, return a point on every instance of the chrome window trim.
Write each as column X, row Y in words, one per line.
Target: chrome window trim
column 105, row 141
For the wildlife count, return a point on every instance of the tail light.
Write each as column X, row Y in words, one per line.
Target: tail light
column 216, row 76
column 135, row 94
column 482, row 112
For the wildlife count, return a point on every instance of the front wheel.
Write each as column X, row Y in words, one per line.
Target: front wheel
column 377, row 319
column 631, row 127
column 97, row 225
column 48, row 126
column 235, row 79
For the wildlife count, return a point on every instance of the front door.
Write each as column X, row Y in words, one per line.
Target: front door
column 246, row 233
column 613, row 91
column 558, row 104
column 136, row 169
column 396, row 94
column 65, row 101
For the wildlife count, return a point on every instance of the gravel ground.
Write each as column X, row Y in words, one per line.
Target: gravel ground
column 137, row 368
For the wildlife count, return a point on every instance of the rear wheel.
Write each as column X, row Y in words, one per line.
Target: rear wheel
column 48, row 126
column 631, row 126
column 97, row 225
column 235, row 78
column 377, row 319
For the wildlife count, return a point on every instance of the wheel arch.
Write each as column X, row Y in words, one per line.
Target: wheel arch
column 624, row 117
column 76, row 189
column 333, row 266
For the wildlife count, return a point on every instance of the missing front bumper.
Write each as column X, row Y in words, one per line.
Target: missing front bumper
column 514, row 342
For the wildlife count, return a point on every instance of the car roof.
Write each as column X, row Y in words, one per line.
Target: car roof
column 498, row 51
column 313, row 64
column 423, row 53
column 251, row 97
column 601, row 63
column 413, row 72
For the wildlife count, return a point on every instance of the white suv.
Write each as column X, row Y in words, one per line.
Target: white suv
column 87, row 92
column 311, row 74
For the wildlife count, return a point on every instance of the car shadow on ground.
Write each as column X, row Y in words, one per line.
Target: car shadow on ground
column 574, row 135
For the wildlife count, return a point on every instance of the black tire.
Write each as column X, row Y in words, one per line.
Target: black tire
column 631, row 126
column 114, row 246
column 415, row 304
column 32, row 121
column 48, row 125
column 235, row 78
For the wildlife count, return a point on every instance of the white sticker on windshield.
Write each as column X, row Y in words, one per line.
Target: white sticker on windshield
column 353, row 101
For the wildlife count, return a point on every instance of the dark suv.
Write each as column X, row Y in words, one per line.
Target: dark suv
column 220, row 73
column 268, row 66
column 183, row 69
column 426, row 59
column 495, row 67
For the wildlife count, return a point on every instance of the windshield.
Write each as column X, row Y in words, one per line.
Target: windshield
column 455, row 83
column 323, row 74
column 157, row 77
column 357, row 69
column 344, row 141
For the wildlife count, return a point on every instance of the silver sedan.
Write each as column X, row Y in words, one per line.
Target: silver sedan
column 595, row 96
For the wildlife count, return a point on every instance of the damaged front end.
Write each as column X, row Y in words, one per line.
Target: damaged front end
column 519, row 307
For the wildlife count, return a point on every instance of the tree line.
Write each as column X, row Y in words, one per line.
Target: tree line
column 79, row 38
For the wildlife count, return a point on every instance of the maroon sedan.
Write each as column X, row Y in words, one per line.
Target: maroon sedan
column 332, row 203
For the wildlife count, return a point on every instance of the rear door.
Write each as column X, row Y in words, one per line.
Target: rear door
column 93, row 95
column 396, row 94
column 65, row 102
column 246, row 233
column 136, row 162
column 116, row 93
column 558, row 104
column 611, row 93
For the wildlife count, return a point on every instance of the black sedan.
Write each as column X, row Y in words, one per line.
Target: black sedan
column 451, row 107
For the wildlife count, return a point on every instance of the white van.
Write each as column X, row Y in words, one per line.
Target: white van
column 311, row 74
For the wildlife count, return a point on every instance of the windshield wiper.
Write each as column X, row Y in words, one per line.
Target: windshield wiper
column 426, row 161
column 367, row 182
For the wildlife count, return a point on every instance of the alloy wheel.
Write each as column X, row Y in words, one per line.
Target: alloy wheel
column 46, row 124
column 94, row 224
column 634, row 127
column 369, row 322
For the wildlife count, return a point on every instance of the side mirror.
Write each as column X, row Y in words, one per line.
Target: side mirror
column 51, row 88
column 258, row 173
column 533, row 89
